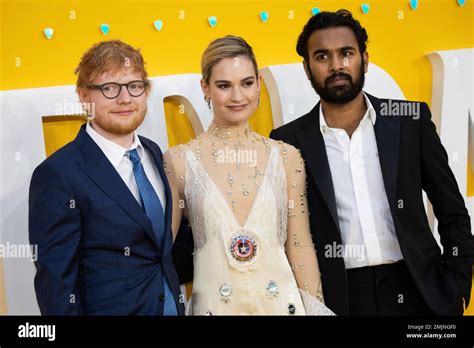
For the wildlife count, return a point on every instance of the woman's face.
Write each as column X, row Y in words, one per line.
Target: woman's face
column 233, row 89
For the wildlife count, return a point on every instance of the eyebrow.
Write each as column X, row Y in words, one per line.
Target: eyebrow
column 344, row 48
column 244, row 79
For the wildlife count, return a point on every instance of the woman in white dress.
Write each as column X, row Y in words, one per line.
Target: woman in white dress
column 244, row 196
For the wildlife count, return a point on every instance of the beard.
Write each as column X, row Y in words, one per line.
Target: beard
column 339, row 94
column 117, row 125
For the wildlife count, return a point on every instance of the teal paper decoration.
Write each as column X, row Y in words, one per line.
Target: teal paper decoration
column 365, row 8
column 315, row 11
column 158, row 24
column 48, row 33
column 104, row 28
column 212, row 21
column 414, row 4
column 461, row 2
column 264, row 16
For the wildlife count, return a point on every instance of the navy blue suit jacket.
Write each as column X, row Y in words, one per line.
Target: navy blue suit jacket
column 97, row 254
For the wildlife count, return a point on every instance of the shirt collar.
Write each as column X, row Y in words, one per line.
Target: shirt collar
column 369, row 114
column 114, row 152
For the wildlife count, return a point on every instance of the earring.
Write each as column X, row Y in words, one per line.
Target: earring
column 258, row 100
column 208, row 101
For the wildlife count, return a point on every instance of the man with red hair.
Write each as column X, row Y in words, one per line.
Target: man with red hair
column 100, row 207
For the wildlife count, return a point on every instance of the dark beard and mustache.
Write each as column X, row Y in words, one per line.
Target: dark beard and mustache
column 339, row 94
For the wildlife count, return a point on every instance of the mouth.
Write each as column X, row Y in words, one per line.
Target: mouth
column 237, row 108
column 123, row 112
column 338, row 81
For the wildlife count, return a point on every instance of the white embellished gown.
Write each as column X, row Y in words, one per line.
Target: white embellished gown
column 245, row 198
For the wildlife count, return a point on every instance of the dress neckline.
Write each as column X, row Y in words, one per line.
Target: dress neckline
column 274, row 152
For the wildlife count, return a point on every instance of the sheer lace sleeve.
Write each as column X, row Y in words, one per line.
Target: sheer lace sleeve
column 299, row 245
column 175, row 171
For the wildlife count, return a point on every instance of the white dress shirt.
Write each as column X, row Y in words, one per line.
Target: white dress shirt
column 124, row 166
column 367, row 229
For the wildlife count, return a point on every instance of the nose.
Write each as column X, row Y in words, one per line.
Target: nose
column 337, row 63
column 124, row 97
column 236, row 95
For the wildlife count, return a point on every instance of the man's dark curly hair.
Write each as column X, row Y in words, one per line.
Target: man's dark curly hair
column 324, row 20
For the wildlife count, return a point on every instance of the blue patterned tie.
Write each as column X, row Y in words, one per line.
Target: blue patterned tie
column 154, row 210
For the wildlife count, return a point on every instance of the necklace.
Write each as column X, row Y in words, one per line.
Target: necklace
column 226, row 133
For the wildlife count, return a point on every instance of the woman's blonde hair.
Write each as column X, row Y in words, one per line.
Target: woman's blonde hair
column 225, row 47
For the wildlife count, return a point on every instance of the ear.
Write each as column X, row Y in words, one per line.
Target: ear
column 84, row 98
column 365, row 56
column 306, row 70
column 83, row 94
column 259, row 81
column 148, row 87
column 205, row 87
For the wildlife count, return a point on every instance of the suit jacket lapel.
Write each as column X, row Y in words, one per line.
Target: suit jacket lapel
column 154, row 151
column 315, row 156
column 100, row 170
column 387, row 133
column 167, row 245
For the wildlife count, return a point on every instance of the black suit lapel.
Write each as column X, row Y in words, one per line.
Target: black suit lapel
column 100, row 170
column 387, row 133
column 315, row 156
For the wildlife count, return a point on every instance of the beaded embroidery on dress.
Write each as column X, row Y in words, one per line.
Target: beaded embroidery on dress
column 252, row 266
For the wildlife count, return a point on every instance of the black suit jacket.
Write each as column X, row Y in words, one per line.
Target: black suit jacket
column 412, row 159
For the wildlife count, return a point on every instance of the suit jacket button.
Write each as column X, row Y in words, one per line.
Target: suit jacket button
column 162, row 298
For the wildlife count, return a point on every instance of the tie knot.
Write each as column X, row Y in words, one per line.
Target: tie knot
column 133, row 156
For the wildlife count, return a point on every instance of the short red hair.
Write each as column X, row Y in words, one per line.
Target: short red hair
column 109, row 56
